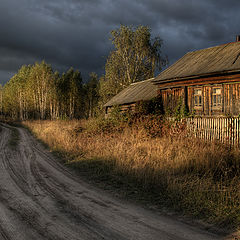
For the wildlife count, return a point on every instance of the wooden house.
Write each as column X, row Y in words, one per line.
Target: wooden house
column 128, row 97
column 206, row 82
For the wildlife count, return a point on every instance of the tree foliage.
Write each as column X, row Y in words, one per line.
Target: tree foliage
column 37, row 92
column 136, row 57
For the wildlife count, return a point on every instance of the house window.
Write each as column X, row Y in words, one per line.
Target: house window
column 198, row 97
column 216, row 97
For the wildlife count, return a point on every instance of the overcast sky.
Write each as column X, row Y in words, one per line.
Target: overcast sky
column 75, row 33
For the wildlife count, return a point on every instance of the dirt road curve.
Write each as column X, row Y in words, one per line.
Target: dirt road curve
column 40, row 199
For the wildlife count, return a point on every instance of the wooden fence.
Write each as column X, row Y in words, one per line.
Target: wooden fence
column 224, row 129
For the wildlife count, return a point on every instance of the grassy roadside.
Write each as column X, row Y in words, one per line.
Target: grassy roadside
column 168, row 170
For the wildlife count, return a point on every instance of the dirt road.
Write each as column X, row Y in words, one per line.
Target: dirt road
column 41, row 199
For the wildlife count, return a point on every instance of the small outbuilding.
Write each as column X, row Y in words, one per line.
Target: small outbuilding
column 128, row 97
column 206, row 82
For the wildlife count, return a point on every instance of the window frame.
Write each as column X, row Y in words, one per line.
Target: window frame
column 199, row 103
column 216, row 103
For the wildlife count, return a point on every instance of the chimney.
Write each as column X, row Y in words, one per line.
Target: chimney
column 238, row 38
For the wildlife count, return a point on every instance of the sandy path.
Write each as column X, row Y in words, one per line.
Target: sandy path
column 40, row 199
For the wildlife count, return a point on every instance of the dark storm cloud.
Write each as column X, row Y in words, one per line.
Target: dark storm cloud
column 76, row 32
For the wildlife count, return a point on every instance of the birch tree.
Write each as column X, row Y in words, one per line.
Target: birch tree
column 136, row 57
column 40, row 78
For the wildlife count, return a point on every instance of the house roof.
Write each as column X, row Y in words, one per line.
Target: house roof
column 220, row 59
column 144, row 90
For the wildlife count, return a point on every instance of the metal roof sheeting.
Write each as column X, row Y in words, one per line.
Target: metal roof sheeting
column 223, row 58
column 144, row 90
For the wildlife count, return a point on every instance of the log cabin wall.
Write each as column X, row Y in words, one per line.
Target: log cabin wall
column 231, row 99
column 211, row 102
column 128, row 107
column 123, row 108
column 218, row 96
column 217, row 99
column 171, row 97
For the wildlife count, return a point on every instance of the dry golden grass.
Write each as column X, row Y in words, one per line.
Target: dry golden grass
column 201, row 179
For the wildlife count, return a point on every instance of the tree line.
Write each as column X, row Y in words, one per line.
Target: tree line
column 39, row 92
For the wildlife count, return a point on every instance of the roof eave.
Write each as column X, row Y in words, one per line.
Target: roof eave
column 118, row 104
column 156, row 81
column 126, row 103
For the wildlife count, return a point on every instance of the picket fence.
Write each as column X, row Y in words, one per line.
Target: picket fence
column 224, row 129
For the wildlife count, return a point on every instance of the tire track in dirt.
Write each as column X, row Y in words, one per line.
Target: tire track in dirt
column 48, row 201
column 34, row 214
column 4, row 235
column 11, row 225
